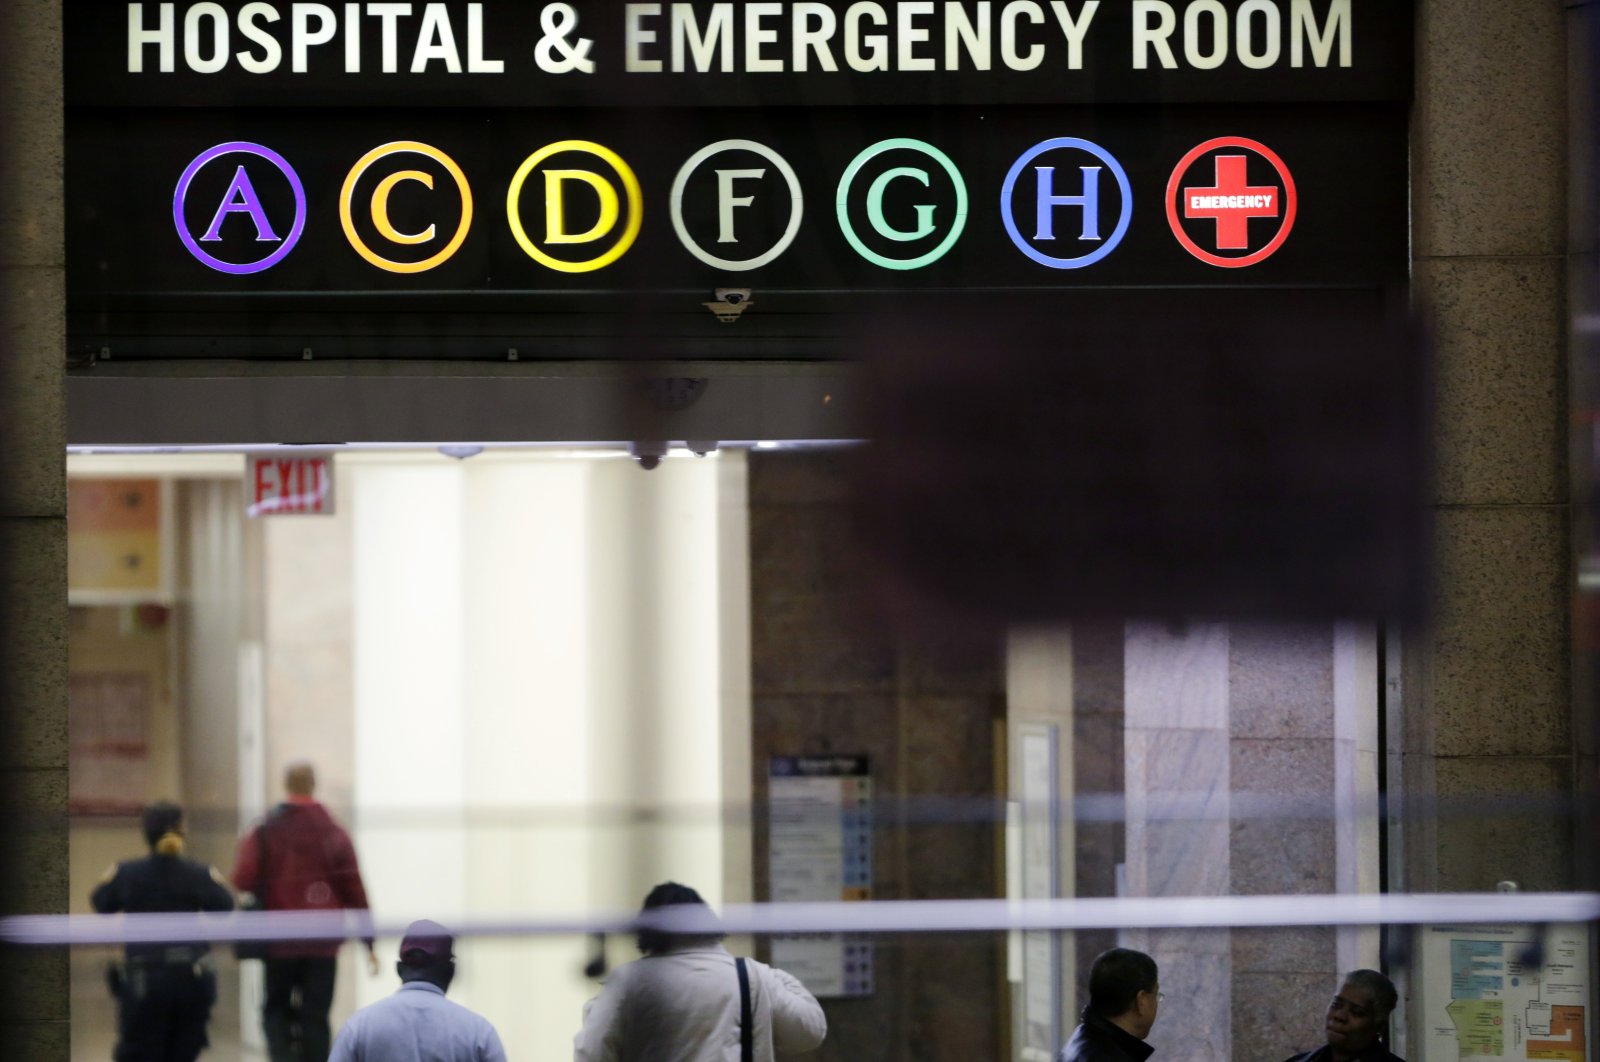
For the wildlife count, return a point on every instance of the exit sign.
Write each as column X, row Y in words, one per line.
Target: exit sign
column 300, row 486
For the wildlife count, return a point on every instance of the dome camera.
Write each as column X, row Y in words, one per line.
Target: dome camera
column 648, row 454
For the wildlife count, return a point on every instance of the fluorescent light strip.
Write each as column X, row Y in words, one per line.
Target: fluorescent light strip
column 881, row 916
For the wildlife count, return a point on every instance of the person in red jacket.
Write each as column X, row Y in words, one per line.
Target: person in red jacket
column 299, row 859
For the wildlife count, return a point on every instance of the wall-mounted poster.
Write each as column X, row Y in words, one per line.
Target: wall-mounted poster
column 114, row 542
column 820, row 848
column 1518, row 993
column 109, row 731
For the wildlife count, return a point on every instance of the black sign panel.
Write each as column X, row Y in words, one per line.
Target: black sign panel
column 528, row 53
column 455, row 178
column 502, row 216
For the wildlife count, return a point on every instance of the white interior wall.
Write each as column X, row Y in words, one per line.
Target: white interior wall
column 539, row 653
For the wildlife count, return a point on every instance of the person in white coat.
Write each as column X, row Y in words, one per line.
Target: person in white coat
column 681, row 1002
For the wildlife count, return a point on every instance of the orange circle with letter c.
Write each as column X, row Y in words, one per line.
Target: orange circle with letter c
column 384, row 151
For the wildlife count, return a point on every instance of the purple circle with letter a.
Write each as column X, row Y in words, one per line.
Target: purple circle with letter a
column 246, row 202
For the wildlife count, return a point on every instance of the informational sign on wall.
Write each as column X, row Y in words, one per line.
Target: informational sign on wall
column 820, row 849
column 1518, row 993
column 114, row 541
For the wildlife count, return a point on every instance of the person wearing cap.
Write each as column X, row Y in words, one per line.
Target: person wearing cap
column 165, row 990
column 417, row 1023
column 299, row 859
column 684, row 1001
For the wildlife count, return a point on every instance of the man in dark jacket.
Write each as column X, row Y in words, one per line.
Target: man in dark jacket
column 166, row 990
column 1356, row 1019
column 1124, row 995
column 299, row 859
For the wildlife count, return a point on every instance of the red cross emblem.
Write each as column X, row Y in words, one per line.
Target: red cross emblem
column 1231, row 202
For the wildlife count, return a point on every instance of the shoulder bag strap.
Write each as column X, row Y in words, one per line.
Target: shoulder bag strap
column 263, row 882
column 746, row 1035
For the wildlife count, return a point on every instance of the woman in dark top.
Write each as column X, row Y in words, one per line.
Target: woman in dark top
column 1356, row 1020
column 166, row 990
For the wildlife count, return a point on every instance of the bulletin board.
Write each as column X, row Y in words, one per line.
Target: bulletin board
column 820, row 848
column 108, row 716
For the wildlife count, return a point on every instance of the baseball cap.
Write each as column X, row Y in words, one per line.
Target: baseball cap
column 426, row 942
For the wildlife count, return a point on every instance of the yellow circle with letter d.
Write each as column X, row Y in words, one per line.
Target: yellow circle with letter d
column 556, row 182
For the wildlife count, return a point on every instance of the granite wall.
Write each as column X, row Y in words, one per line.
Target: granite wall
column 829, row 676
column 33, row 525
column 1486, row 691
column 1219, row 759
column 1098, row 769
column 1251, row 769
column 1583, row 281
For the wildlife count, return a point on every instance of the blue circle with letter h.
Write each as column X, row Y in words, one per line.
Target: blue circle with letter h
column 1110, row 243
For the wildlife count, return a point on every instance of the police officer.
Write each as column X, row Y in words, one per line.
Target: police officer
column 167, row 990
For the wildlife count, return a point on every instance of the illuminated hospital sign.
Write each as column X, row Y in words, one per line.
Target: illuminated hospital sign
column 762, row 38
column 565, row 171
column 605, row 53
column 426, row 172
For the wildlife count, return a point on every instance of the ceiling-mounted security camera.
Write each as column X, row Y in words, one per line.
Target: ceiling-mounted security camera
column 701, row 447
column 730, row 303
column 648, row 454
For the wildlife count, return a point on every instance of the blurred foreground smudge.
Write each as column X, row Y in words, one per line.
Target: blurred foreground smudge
column 1241, row 454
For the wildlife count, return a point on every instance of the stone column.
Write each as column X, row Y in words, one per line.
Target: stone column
column 1486, row 689
column 1583, row 281
column 33, row 529
column 1251, row 769
column 1097, row 775
column 1303, row 717
column 829, row 674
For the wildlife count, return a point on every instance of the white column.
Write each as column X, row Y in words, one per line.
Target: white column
column 1355, row 781
column 1039, row 692
column 527, row 698
column 1178, row 775
column 656, row 658
column 680, row 720
column 410, row 711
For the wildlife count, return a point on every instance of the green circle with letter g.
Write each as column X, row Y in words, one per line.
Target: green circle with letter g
column 924, row 212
